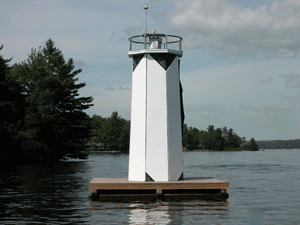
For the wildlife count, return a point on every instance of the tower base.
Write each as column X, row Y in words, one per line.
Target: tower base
column 120, row 189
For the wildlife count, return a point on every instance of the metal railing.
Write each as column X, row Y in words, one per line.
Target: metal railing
column 155, row 41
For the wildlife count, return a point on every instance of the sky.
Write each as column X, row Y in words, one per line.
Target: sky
column 240, row 64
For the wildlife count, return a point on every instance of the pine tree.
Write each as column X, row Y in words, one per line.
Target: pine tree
column 56, row 124
column 12, row 107
column 113, row 132
column 252, row 145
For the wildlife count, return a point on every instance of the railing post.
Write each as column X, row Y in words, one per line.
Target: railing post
column 166, row 41
column 180, row 44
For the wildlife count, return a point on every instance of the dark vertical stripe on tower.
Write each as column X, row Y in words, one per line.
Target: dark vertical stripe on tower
column 181, row 100
column 136, row 60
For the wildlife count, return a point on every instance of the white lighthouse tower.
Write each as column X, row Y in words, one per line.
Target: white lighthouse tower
column 155, row 153
column 156, row 108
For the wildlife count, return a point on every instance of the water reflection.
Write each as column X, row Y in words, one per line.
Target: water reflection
column 156, row 213
column 174, row 212
column 43, row 193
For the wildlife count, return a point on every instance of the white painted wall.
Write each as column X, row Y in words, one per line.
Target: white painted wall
column 175, row 160
column 155, row 140
column 157, row 136
column 136, row 167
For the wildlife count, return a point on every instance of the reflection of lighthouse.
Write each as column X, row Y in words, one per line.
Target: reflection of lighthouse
column 156, row 109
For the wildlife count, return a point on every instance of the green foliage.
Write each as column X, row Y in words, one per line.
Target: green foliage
column 251, row 146
column 55, row 124
column 12, row 105
column 190, row 137
column 113, row 132
column 212, row 139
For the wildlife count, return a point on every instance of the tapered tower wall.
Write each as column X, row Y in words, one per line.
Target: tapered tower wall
column 156, row 133
column 137, row 156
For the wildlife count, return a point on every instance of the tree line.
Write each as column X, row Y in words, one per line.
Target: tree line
column 217, row 139
column 113, row 133
column 110, row 134
column 279, row 144
column 42, row 114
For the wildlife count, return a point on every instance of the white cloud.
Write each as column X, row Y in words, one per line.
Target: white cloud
column 292, row 80
column 233, row 30
column 270, row 110
column 109, row 99
column 77, row 27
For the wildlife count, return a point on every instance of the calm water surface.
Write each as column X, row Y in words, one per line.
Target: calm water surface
column 264, row 189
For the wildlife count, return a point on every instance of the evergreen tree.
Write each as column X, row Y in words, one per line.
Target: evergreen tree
column 125, row 137
column 232, row 140
column 252, row 145
column 113, row 132
column 55, row 124
column 114, row 127
column 219, row 142
column 12, row 107
column 209, row 138
column 191, row 137
column 185, row 141
column 99, row 125
column 117, row 132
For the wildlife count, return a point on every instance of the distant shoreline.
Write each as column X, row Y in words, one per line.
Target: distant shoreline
column 197, row 150
column 104, row 152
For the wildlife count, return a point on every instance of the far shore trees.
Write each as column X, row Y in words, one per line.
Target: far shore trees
column 251, row 146
column 216, row 139
column 113, row 132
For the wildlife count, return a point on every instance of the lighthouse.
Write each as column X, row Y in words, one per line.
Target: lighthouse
column 155, row 152
column 155, row 169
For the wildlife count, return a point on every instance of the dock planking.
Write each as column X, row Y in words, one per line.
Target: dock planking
column 115, row 189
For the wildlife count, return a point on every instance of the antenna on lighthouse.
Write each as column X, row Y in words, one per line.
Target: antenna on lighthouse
column 146, row 8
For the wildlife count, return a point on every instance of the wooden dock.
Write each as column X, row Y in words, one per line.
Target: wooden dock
column 120, row 189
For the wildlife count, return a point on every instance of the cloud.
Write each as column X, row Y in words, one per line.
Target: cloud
column 76, row 27
column 206, row 108
column 110, row 89
column 124, row 34
column 126, row 88
column 296, row 100
column 110, row 99
column 266, row 81
column 230, row 29
column 79, row 63
column 292, row 80
column 120, row 88
column 270, row 110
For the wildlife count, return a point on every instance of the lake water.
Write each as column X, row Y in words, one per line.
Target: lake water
column 264, row 189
